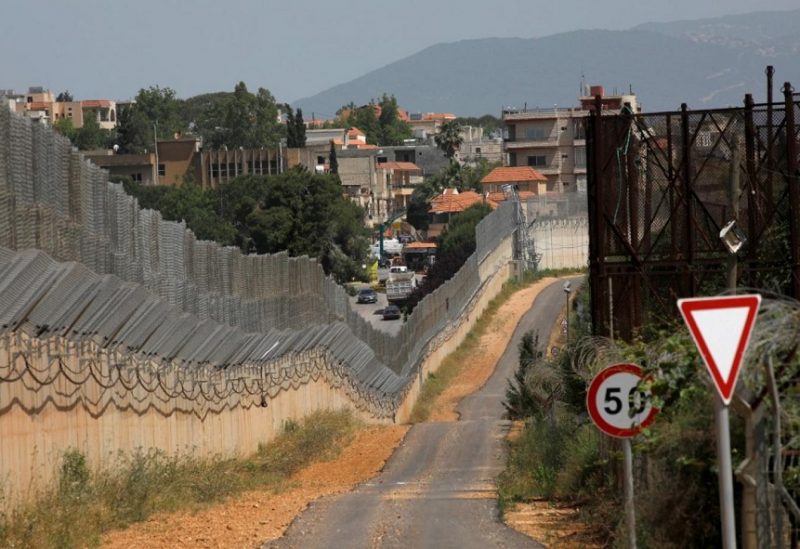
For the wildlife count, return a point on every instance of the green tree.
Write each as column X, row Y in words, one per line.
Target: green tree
column 456, row 244
column 300, row 128
column 332, row 160
column 156, row 111
column 161, row 108
column 66, row 128
column 268, row 128
column 449, row 138
column 64, row 97
column 291, row 128
column 393, row 130
column 365, row 120
column 90, row 135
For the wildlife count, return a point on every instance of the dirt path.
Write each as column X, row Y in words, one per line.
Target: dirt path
column 250, row 519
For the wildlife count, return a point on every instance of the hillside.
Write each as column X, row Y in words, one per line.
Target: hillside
column 704, row 63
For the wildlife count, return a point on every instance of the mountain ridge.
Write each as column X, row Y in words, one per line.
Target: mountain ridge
column 666, row 63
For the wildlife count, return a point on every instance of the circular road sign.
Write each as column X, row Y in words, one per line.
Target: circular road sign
column 616, row 404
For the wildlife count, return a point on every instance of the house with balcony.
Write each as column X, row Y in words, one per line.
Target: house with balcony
column 403, row 178
column 40, row 104
column 553, row 140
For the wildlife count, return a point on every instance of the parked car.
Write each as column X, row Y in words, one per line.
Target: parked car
column 391, row 312
column 367, row 295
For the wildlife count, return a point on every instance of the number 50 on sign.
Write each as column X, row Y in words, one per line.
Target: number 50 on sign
column 616, row 404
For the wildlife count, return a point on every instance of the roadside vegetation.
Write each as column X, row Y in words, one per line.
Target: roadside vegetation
column 85, row 503
column 562, row 457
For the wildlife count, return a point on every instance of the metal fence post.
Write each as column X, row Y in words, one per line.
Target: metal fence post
column 686, row 174
column 794, row 191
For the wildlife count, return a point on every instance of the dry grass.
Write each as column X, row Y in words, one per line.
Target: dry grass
column 85, row 504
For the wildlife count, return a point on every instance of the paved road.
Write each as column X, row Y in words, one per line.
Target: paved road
column 438, row 488
column 367, row 310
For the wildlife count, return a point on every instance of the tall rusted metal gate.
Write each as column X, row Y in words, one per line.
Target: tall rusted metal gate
column 662, row 186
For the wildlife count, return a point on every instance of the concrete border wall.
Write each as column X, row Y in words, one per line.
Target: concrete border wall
column 207, row 337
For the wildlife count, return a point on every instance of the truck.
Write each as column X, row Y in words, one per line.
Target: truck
column 400, row 283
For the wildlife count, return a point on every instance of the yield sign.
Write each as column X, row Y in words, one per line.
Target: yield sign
column 721, row 327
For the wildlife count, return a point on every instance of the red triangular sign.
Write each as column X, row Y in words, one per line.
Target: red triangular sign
column 721, row 327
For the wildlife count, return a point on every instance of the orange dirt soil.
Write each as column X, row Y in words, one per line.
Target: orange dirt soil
column 252, row 518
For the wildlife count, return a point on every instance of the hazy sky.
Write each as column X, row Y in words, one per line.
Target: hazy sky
column 295, row 48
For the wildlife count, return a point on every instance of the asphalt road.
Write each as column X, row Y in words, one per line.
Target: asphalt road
column 438, row 488
column 367, row 311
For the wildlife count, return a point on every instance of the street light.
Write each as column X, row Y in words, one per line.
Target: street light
column 567, row 289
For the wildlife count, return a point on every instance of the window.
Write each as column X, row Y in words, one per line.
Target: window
column 539, row 161
column 580, row 130
column 580, row 157
column 564, row 157
column 535, row 133
column 223, row 170
column 320, row 160
column 162, row 170
column 563, row 128
column 381, row 160
column 136, row 177
column 478, row 151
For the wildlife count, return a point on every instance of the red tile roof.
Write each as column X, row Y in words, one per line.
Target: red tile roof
column 38, row 105
column 450, row 202
column 513, row 175
column 399, row 166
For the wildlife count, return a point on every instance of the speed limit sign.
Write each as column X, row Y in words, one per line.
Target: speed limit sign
column 616, row 403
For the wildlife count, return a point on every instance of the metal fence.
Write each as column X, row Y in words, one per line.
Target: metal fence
column 695, row 203
column 52, row 200
column 662, row 187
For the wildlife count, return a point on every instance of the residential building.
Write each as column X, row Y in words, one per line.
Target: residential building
column 428, row 158
column 367, row 184
column 175, row 158
column 403, row 177
column 141, row 168
column 476, row 146
column 522, row 178
column 553, row 141
column 425, row 125
column 217, row 167
column 40, row 104
column 448, row 203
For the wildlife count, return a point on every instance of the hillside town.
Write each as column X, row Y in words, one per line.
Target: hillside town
column 463, row 276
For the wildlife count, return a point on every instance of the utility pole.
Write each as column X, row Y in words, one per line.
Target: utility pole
column 155, row 146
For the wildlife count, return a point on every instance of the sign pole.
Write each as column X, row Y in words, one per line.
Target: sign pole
column 621, row 409
column 630, row 512
column 725, row 474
